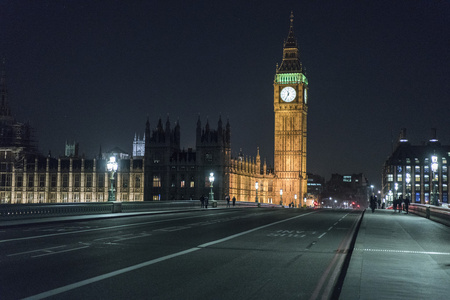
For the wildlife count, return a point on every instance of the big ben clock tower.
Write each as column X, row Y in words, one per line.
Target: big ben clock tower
column 291, row 109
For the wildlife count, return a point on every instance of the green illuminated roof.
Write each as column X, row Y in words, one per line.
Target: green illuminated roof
column 291, row 78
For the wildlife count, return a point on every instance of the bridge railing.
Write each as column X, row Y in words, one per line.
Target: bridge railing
column 21, row 211
column 435, row 213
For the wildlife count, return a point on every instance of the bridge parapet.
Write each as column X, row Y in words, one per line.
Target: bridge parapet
column 434, row 213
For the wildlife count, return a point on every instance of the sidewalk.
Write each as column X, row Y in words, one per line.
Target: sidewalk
column 399, row 256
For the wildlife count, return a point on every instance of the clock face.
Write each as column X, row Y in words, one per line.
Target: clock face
column 288, row 94
column 306, row 95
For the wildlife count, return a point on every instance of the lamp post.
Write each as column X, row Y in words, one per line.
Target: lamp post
column 372, row 189
column 211, row 180
column 256, row 188
column 112, row 168
column 434, row 169
column 295, row 197
column 281, row 196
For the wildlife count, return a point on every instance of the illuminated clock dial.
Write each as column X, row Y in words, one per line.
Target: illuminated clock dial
column 288, row 94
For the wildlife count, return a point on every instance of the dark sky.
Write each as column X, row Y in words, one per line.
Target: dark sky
column 92, row 71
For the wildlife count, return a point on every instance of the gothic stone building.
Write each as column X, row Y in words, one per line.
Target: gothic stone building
column 161, row 170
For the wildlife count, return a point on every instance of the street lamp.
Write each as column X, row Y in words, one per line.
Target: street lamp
column 372, row 189
column 434, row 169
column 211, row 180
column 256, row 188
column 112, row 168
column 281, row 196
column 295, row 197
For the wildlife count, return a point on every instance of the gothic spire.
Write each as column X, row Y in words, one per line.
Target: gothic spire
column 291, row 56
column 291, row 41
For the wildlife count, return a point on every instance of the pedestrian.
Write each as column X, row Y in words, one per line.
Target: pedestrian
column 202, row 201
column 373, row 203
column 234, row 200
column 406, row 204
column 394, row 204
column 227, row 197
column 206, row 202
column 399, row 204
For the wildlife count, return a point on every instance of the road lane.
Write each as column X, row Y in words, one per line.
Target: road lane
column 239, row 242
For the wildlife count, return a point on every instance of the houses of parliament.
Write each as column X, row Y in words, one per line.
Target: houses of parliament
column 158, row 168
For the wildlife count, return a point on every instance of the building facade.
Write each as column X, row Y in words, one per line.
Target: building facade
column 419, row 172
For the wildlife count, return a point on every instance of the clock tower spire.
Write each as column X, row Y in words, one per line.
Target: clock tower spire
column 290, row 108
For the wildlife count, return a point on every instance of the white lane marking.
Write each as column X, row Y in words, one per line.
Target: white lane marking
column 251, row 230
column 95, row 229
column 37, row 250
column 58, row 252
column 322, row 235
column 75, row 285
column 107, row 275
column 403, row 251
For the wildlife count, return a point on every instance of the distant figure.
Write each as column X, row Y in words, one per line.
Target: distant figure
column 394, row 204
column 202, row 201
column 234, row 200
column 206, row 202
column 379, row 203
column 406, row 204
column 373, row 203
column 227, row 197
column 399, row 204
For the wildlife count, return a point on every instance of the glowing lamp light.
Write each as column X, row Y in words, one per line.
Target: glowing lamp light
column 434, row 163
column 112, row 164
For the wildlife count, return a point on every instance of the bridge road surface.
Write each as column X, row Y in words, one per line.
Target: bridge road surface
column 207, row 254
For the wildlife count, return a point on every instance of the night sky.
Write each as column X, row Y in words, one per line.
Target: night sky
column 93, row 71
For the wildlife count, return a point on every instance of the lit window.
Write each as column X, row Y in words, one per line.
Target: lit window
column 426, row 178
column 156, row 182
column 390, row 177
column 137, row 181
column 444, row 160
column 417, row 178
column 417, row 187
column 399, row 177
column 183, row 183
column 417, row 169
column 192, row 184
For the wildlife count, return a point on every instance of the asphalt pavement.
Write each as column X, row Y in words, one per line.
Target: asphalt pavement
column 395, row 256
column 399, row 256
